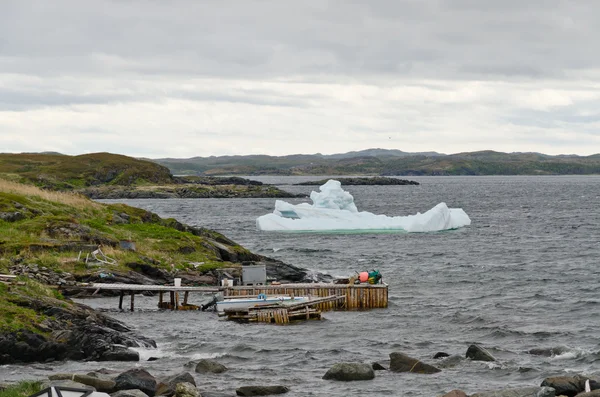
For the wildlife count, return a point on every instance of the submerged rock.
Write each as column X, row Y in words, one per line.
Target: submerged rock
column 210, row 366
column 478, row 353
column 350, row 372
column 400, row 362
column 260, row 390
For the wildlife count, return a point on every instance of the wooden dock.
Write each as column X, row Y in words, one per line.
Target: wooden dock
column 173, row 303
column 357, row 296
column 281, row 313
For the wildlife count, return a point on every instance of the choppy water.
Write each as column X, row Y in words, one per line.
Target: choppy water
column 524, row 275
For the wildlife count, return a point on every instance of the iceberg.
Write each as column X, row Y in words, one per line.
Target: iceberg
column 333, row 209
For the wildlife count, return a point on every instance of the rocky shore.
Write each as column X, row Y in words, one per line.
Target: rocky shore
column 187, row 382
column 185, row 191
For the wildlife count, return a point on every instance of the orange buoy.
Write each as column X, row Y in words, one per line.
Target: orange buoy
column 363, row 277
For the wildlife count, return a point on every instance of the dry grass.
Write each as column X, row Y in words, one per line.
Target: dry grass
column 72, row 199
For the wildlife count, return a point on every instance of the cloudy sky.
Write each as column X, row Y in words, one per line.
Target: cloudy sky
column 188, row 78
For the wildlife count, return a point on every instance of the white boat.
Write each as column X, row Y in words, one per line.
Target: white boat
column 260, row 300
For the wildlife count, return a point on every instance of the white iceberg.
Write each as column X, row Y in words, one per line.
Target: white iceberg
column 333, row 209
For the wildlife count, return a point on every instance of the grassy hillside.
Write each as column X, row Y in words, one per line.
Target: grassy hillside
column 51, row 228
column 60, row 172
column 389, row 162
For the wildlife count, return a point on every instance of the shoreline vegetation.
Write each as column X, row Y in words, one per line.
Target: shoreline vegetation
column 46, row 238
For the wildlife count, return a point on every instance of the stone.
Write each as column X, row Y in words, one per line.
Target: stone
column 400, row 362
column 65, row 383
column 119, row 354
column 136, row 378
column 129, row 393
column 350, row 372
column 378, row 367
column 210, row 366
column 186, row 389
column 440, row 355
column 566, row 385
column 102, row 385
column 260, row 390
column 61, row 376
column 478, row 353
column 167, row 386
column 519, row 392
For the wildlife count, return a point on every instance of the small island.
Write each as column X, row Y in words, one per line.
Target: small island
column 372, row 181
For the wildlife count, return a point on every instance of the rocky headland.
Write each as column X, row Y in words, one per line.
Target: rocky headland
column 376, row 180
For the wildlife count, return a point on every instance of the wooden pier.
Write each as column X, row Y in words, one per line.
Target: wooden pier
column 357, row 296
column 172, row 303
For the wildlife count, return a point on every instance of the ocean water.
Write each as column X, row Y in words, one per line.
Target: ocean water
column 525, row 275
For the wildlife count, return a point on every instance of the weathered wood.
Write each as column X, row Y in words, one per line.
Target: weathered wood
column 132, row 299
column 121, row 300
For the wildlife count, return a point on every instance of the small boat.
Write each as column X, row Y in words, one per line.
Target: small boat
column 260, row 300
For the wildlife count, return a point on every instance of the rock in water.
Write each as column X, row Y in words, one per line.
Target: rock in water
column 478, row 353
column 402, row 363
column 210, row 366
column 350, row 372
column 260, row 390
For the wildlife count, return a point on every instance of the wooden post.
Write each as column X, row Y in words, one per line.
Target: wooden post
column 172, row 294
column 176, row 300
column 186, row 294
column 121, row 300
column 160, row 299
column 132, row 299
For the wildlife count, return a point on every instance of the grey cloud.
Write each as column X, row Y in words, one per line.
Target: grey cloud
column 271, row 38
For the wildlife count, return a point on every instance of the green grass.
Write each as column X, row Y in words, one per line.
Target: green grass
column 22, row 389
column 52, row 220
column 15, row 318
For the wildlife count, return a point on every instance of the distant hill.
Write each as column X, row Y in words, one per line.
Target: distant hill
column 387, row 163
column 61, row 172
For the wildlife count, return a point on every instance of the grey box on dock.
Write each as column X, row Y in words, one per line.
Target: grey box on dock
column 254, row 275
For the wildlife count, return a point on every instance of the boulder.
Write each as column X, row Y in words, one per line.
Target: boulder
column 102, row 385
column 593, row 393
column 210, row 366
column 136, row 378
column 129, row 393
column 378, row 367
column 440, row 355
column 260, row 390
column 455, row 393
column 402, row 363
column 61, row 376
column 117, row 353
column 350, row 372
column 519, row 392
column 65, row 383
column 566, row 385
column 478, row 353
column 167, row 386
column 186, row 389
